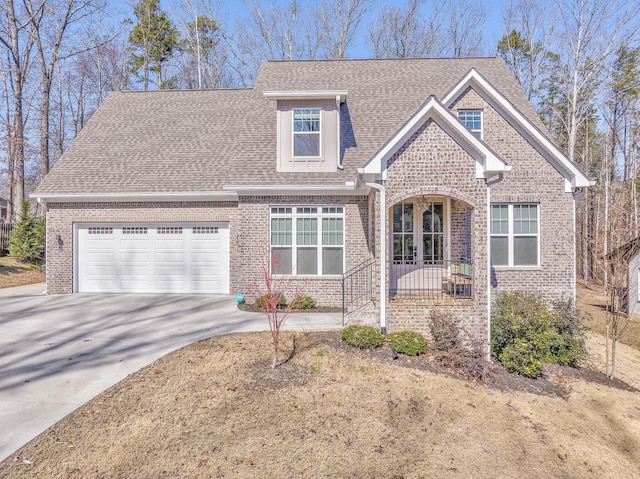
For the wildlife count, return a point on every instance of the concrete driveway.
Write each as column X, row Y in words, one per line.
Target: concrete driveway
column 58, row 352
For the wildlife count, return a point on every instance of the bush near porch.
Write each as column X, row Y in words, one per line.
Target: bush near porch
column 526, row 332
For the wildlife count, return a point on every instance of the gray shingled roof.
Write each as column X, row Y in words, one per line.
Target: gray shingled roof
column 199, row 141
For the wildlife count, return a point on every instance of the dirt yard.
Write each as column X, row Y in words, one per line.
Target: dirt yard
column 593, row 304
column 13, row 273
column 217, row 409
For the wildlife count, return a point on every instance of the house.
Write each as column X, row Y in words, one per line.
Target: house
column 624, row 274
column 435, row 175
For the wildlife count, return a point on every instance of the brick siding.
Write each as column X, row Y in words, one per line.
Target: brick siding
column 432, row 163
column 61, row 218
column 532, row 180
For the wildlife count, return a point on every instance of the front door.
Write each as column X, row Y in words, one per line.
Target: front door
column 419, row 246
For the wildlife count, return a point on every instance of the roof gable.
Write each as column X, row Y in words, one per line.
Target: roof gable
column 488, row 163
column 574, row 178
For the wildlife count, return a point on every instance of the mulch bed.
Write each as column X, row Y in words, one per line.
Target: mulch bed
column 555, row 381
column 253, row 308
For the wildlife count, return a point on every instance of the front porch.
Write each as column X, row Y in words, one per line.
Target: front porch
column 433, row 282
column 428, row 261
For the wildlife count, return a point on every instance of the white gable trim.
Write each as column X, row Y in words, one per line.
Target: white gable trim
column 573, row 176
column 488, row 163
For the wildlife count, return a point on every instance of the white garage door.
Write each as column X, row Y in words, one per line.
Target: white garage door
column 158, row 258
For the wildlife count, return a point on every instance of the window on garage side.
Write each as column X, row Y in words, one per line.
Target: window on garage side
column 515, row 238
column 307, row 240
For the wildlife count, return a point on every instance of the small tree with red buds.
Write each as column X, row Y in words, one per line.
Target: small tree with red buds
column 271, row 289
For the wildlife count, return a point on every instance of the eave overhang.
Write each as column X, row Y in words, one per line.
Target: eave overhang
column 133, row 197
column 349, row 188
column 338, row 95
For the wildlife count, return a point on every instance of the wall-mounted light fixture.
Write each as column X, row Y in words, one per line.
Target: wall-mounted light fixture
column 59, row 241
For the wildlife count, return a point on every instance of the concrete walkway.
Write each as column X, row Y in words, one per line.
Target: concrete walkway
column 58, row 352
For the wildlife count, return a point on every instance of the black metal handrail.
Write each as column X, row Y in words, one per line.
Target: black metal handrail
column 357, row 288
column 431, row 281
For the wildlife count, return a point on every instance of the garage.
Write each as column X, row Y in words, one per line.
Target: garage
column 152, row 258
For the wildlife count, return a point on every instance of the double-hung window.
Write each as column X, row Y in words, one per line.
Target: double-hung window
column 307, row 240
column 306, row 132
column 515, row 235
column 472, row 119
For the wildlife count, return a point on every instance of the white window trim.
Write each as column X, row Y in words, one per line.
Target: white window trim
column 319, row 133
column 511, row 235
column 481, row 130
column 319, row 215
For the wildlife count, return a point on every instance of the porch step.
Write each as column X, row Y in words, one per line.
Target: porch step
column 367, row 315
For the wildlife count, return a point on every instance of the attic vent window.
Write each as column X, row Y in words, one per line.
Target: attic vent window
column 472, row 119
column 203, row 230
column 134, row 230
column 306, row 132
column 100, row 230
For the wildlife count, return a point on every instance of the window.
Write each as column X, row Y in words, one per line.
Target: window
column 134, row 230
column 100, row 230
column 170, row 230
column 515, row 234
column 472, row 119
column 306, row 132
column 307, row 240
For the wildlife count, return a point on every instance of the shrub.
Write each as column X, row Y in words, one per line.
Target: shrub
column 526, row 332
column 468, row 359
column 521, row 357
column 262, row 302
column 27, row 239
column 363, row 337
column 407, row 342
column 303, row 301
column 445, row 332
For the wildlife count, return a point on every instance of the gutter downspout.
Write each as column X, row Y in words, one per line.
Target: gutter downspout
column 382, row 253
column 489, row 184
column 46, row 240
column 578, row 193
column 338, row 143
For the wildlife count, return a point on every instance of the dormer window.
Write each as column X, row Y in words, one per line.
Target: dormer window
column 306, row 132
column 472, row 119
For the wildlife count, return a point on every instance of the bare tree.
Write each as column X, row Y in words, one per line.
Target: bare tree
column 203, row 58
column 50, row 22
column 270, row 295
column 339, row 20
column 591, row 32
column 399, row 32
column 18, row 44
column 465, row 27
column 529, row 30
column 281, row 31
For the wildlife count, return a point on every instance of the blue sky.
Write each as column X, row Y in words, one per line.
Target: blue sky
column 229, row 10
